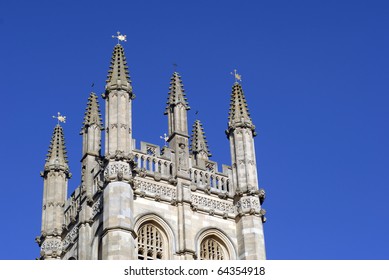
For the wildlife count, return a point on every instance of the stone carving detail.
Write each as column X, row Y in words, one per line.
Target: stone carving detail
column 172, row 181
column 70, row 237
column 211, row 204
column 150, row 150
column 210, row 167
column 262, row 195
column 263, row 213
column 182, row 160
column 117, row 170
column 51, row 245
column 157, row 191
column 248, row 205
column 96, row 208
column 142, row 172
column 157, row 176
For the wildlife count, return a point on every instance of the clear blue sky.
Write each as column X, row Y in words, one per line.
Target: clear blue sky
column 315, row 75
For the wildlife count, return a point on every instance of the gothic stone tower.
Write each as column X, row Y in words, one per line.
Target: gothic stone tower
column 150, row 202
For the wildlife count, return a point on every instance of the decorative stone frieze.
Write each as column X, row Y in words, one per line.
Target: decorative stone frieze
column 70, row 237
column 51, row 245
column 96, row 208
column 208, row 204
column 156, row 191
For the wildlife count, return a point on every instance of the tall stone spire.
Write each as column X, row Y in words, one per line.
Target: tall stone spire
column 55, row 176
column 177, row 105
column 118, row 74
column 57, row 156
column 92, row 113
column 176, row 93
column 118, row 95
column 91, row 151
column 118, row 241
column 241, row 132
column 92, row 126
column 178, row 138
column 239, row 115
column 199, row 146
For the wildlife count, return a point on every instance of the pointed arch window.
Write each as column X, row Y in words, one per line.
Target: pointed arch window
column 151, row 243
column 211, row 249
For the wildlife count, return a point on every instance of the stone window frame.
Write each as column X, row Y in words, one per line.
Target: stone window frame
column 165, row 231
column 152, row 241
column 221, row 238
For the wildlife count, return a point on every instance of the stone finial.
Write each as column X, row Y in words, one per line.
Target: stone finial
column 176, row 93
column 199, row 146
column 92, row 113
column 239, row 115
column 57, row 156
column 118, row 74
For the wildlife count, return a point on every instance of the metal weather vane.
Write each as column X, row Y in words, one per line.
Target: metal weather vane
column 60, row 118
column 237, row 76
column 120, row 37
column 165, row 138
